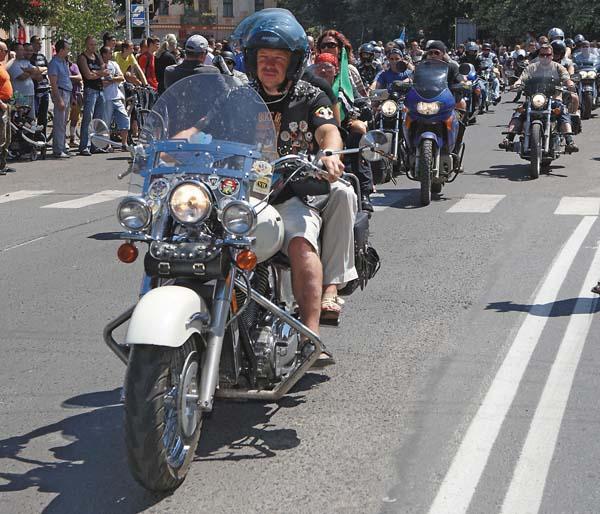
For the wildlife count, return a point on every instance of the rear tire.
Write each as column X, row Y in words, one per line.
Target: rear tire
column 159, row 453
column 424, row 171
column 535, row 145
column 587, row 104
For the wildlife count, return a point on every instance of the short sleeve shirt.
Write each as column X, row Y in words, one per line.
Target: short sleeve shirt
column 60, row 68
column 386, row 78
column 39, row 60
column 298, row 115
column 112, row 90
column 21, row 87
column 6, row 90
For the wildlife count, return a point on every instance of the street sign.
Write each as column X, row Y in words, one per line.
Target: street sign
column 138, row 15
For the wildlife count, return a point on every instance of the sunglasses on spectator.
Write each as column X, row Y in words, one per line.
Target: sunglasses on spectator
column 545, row 55
column 331, row 44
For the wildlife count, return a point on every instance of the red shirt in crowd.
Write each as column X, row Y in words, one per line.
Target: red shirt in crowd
column 146, row 62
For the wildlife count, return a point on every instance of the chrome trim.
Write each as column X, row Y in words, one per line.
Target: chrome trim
column 144, row 203
column 244, row 204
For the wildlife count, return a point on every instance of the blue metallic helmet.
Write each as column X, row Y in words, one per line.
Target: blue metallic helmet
column 278, row 29
column 471, row 46
column 400, row 44
column 556, row 33
column 366, row 48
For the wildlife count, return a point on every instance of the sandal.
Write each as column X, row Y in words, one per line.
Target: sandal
column 331, row 309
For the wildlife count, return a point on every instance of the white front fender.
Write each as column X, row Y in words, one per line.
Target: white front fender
column 161, row 318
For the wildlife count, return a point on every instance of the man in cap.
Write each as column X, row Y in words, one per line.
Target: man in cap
column 196, row 49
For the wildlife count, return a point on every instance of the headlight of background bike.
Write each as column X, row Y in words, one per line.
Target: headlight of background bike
column 190, row 202
column 389, row 108
column 591, row 75
column 238, row 218
column 538, row 101
column 134, row 213
column 428, row 108
column 584, row 75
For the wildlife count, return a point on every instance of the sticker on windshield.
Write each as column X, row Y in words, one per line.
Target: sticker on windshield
column 229, row 186
column 262, row 185
column 262, row 167
column 213, row 181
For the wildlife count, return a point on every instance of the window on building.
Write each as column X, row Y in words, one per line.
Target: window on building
column 228, row 8
column 259, row 5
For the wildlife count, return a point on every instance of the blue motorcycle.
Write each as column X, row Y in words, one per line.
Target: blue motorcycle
column 432, row 128
column 474, row 98
column 586, row 78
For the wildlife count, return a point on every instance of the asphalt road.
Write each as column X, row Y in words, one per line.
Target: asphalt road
column 466, row 378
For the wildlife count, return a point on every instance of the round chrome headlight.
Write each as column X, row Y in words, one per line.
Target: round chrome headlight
column 428, row 108
column 134, row 213
column 190, row 202
column 389, row 108
column 538, row 101
column 584, row 75
column 238, row 218
column 591, row 75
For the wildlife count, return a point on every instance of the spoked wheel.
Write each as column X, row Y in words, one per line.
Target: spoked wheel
column 424, row 171
column 535, row 144
column 162, row 420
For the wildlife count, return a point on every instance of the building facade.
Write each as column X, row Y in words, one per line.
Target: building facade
column 211, row 18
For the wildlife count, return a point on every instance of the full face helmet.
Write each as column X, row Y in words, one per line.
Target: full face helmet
column 366, row 49
column 559, row 48
column 277, row 29
column 471, row 48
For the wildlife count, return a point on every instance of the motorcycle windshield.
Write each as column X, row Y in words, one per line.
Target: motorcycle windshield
column 542, row 84
column 430, row 78
column 202, row 124
column 586, row 60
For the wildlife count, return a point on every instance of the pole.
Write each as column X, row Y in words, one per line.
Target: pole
column 128, row 18
column 146, row 19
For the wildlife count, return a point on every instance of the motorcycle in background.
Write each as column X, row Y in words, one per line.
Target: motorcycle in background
column 587, row 80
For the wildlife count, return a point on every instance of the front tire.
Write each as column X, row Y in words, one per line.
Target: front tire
column 535, row 145
column 587, row 103
column 424, row 171
column 158, row 450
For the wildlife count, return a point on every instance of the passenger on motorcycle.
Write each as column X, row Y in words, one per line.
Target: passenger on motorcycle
column 489, row 60
column 556, row 34
column 400, row 70
column 571, row 98
column 368, row 67
column 544, row 67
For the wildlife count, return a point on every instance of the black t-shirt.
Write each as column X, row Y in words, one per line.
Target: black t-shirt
column 41, row 86
column 94, row 64
column 297, row 115
column 368, row 71
column 186, row 68
column 165, row 59
column 321, row 83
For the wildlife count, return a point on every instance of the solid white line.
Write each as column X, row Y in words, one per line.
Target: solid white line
column 458, row 487
column 476, row 203
column 21, row 195
column 102, row 196
column 527, row 486
column 578, row 206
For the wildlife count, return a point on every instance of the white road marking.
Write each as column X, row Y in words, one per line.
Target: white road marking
column 102, row 196
column 21, row 195
column 458, row 487
column 529, row 479
column 578, row 206
column 476, row 203
column 384, row 199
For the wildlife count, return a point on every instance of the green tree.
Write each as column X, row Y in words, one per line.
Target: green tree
column 33, row 12
column 76, row 19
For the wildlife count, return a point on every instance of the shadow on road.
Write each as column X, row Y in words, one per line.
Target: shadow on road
column 89, row 472
column 515, row 172
column 549, row 310
column 403, row 199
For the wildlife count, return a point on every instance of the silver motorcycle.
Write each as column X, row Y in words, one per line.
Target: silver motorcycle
column 216, row 317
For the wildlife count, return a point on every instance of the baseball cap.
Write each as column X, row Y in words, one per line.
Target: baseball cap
column 196, row 44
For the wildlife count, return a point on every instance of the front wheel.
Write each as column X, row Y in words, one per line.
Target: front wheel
column 424, row 170
column 587, row 103
column 162, row 420
column 535, row 144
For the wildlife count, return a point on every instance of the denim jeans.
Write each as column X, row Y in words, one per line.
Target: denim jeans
column 93, row 107
column 59, row 132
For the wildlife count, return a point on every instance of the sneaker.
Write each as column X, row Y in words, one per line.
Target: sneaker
column 505, row 145
column 571, row 147
column 62, row 155
column 366, row 204
column 6, row 170
column 85, row 153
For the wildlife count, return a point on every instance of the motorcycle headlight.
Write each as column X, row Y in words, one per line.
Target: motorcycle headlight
column 389, row 108
column 538, row 101
column 190, row 202
column 584, row 75
column 428, row 108
column 134, row 213
column 591, row 75
column 238, row 218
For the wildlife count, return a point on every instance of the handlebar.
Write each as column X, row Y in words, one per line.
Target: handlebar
column 311, row 168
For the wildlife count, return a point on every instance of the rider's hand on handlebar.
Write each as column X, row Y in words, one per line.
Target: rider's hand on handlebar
column 333, row 166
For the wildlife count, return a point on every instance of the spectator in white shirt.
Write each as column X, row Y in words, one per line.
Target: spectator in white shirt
column 114, row 98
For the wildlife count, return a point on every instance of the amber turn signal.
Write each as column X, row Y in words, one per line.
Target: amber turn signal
column 246, row 260
column 127, row 253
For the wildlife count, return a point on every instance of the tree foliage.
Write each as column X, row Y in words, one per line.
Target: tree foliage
column 502, row 20
column 33, row 12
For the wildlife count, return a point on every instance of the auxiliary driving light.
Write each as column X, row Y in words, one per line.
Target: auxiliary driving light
column 134, row 213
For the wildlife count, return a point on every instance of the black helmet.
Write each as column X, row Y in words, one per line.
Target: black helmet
column 556, row 33
column 559, row 47
column 569, row 42
column 471, row 46
column 228, row 56
column 578, row 39
column 279, row 30
column 366, row 48
column 400, row 44
column 436, row 44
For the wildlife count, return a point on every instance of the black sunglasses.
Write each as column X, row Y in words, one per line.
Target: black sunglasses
column 331, row 44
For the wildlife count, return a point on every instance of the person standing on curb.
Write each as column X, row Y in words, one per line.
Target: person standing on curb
column 6, row 93
column 62, row 88
column 42, row 86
